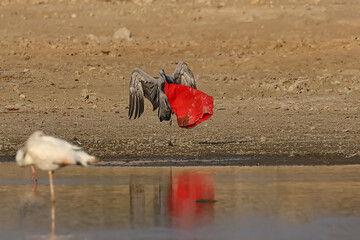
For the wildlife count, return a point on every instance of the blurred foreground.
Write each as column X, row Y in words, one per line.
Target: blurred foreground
column 284, row 74
column 299, row 202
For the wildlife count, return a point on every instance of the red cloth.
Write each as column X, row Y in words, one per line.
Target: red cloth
column 190, row 106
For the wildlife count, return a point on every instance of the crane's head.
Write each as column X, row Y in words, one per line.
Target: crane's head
column 162, row 74
column 168, row 79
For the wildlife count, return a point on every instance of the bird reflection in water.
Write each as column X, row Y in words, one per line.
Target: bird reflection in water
column 31, row 206
column 184, row 200
column 190, row 200
column 52, row 235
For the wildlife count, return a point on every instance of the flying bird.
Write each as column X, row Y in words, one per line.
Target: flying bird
column 50, row 153
column 143, row 85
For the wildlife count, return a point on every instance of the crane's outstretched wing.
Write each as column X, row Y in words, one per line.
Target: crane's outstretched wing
column 142, row 84
column 183, row 75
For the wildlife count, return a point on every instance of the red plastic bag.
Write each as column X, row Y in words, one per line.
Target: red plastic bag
column 190, row 106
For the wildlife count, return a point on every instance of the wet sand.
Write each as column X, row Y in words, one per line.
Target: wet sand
column 297, row 202
column 284, row 75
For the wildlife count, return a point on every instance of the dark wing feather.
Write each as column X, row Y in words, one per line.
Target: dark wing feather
column 183, row 75
column 141, row 84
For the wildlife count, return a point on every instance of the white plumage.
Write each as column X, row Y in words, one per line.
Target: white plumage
column 50, row 153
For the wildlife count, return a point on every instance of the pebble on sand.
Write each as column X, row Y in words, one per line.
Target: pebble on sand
column 123, row 34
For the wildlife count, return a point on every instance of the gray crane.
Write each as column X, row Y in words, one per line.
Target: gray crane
column 142, row 84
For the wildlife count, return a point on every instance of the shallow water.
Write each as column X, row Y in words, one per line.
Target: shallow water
column 297, row 202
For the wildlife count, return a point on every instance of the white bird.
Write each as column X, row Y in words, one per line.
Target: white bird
column 50, row 153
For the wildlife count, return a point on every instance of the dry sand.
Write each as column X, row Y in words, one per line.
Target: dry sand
column 284, row 75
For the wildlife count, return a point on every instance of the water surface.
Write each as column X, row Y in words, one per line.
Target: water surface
column 297, row 202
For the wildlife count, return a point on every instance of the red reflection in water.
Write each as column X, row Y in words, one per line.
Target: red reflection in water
column 185, row 189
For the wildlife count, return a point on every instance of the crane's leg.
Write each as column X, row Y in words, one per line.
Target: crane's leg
column 170, row 142
column 34, row 176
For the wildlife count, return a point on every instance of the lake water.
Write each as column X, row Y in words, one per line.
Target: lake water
column 294, row 202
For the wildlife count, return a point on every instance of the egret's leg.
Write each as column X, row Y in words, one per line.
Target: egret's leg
column 52, row 205
column 34, row 176
column 51, row 187
column 34, row 179
column 170, row 142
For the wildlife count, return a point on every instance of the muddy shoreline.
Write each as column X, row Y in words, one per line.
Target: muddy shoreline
column 284, row 76
column 224, row 161
column 233, row 161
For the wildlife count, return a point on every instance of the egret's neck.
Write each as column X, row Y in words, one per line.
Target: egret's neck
column 23, row 159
